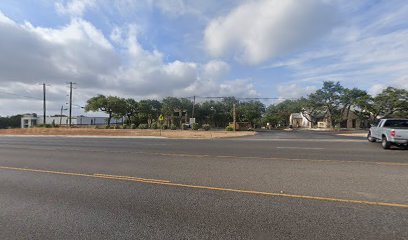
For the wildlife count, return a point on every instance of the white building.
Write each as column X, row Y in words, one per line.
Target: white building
column 31, row 120
column 298, row 120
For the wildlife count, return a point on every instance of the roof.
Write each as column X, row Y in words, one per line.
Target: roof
column 297, row 115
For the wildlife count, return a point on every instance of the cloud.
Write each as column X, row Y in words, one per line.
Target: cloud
column 294, row 90
column 115, row 65
column 75, row 8
column 367, row 51
column 76, row 52
column 260, row 30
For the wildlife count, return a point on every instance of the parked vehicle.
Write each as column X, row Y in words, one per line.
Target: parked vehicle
column 390, row 132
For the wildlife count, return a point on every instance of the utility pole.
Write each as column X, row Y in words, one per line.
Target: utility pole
column 234, row 117
column 44, row 104
column 70, row 103
column 192, row 114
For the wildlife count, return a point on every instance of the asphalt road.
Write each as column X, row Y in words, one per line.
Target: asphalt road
column 275, row 185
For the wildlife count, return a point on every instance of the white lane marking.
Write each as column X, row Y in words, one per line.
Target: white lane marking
column 303, row 148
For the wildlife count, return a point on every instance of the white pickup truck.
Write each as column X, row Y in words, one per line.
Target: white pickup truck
column 390, row 132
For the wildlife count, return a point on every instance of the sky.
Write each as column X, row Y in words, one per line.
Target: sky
column 182, row 48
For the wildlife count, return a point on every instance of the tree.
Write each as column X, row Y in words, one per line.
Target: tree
column 251, row 111
column 328, row 101
column 391, row 102
column 131, row 109
column 149, row 110
column 113, row 106
column 356, row 100
column 10, row 122
column 278, row 114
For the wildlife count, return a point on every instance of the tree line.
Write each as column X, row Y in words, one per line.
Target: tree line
column 176, row 111
column 332, row 101
column 10, row 122
column 336, row 103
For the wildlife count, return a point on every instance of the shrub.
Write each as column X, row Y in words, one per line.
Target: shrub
column 48, row 126
column 155, row 125
column 185, row 126
column 133, row 126
column 143, row 126
column 125, row 126
column 206, row 127
column 107, row 127
column 164, row 127
column 195, row 126
column 229, row 129
column 173, row 127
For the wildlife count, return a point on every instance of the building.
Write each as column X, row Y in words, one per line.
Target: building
column 350, row 120
column 32, row 120
column 298, row 120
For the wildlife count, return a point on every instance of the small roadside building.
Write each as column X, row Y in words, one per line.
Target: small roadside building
column 298, row 120
column 32, row 120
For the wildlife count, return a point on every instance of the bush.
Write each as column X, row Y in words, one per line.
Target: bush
column 173, row 127
column 164, row 127
column 229, row 129
column 195, row 126
column 185, row 126
column 143, row 126
column 48, row 126
column 206, row 127
column 155, row 125
column 107, row 127
column 125, row 126
column 133, row 126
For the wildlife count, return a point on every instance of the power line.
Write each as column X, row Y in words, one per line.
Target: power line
column 23, row 96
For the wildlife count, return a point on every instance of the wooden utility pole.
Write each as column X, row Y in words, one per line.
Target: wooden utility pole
column 234, row 116
column 44, row 105
column 70, row 103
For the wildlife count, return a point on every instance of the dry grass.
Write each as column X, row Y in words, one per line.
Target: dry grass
column 123, row 132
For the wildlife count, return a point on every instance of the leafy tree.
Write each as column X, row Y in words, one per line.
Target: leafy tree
column 113, row 106
column 149, row 110
column 327, row 100
column 278, row 114
column 391, row 102
column 10, row 122
column 251, row 111
column 358, row 101
column 131, row 109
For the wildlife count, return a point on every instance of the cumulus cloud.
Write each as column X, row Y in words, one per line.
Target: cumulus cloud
column 76, row 52
column 115, row 65
column 257, row 31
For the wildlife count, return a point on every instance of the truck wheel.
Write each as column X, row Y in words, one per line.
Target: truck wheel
column 385, row 144
column 369, row 138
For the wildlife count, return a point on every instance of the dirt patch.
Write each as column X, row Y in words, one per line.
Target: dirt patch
column 123, row 132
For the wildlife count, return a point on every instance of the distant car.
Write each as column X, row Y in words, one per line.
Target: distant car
column 390, row 132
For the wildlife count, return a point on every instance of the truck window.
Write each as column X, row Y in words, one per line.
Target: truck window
column 396, row 123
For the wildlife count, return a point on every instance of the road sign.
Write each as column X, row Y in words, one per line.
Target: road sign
column 161, row 118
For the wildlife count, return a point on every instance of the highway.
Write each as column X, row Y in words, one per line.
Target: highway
column 275, row 185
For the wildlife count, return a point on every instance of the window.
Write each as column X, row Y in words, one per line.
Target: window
column 396, row 123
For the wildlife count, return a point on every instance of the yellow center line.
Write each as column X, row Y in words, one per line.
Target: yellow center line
column 168, row 183
column 128, row 177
